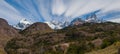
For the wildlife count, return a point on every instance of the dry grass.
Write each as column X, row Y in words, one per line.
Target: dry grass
column 2, row 51
column 113, row 49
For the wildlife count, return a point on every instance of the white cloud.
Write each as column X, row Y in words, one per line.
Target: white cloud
column 117, row 20
column 74, row 6
column 58, row 7
column 91, row 6
column 48, row 9
column 44, row 9
column 8, row 12
column 114, row 5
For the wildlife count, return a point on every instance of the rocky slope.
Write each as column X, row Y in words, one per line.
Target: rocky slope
column 37, row 28
column 40, row 39
column 7, row 32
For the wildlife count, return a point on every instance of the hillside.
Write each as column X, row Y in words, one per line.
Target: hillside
column 112, row 49
column 7, row 32
column 36, row 28
column 70, row 40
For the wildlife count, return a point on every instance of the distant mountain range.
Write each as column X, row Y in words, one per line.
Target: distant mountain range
column 24, row 23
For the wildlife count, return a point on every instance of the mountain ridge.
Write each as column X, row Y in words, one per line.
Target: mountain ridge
column 92, row 18
column 39, row 38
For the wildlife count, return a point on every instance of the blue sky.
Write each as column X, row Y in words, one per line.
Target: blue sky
column 46, row 10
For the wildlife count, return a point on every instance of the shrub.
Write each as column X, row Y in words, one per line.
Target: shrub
column 76, row 49
column 107, row 42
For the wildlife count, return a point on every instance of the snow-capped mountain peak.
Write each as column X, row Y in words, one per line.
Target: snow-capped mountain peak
column 91, row 18
column 24, row 23
column 50, row 25
column 57, row 25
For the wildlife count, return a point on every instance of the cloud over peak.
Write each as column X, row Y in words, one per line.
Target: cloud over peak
column 47, row 10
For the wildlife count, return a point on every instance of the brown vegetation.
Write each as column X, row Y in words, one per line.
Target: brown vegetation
column 39, row 38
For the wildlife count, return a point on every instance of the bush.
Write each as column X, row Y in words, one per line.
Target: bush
column 107, row 42
column 76, row 49
column 75, row 36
